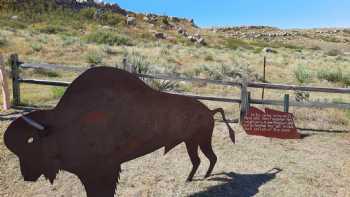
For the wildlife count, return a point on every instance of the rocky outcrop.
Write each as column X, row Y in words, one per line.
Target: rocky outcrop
column 104, row 7
column 131, row 21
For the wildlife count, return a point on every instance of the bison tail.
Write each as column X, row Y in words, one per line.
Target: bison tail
column 231, row 131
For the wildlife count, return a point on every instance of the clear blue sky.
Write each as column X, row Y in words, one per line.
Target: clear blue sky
column 277, row 13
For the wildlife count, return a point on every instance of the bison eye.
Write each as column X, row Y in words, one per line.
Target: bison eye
column 30, row 140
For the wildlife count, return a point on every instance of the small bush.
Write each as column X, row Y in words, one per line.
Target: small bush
column 68, row 40
column 332, row 75
column 87, row 13
column 315, row 48
column 43, row 39
column 235, row 44
column 109, row 18
column 36, row 47
column 143, row 66
column 347, row 31
column 45, row 73
column 347, row 113
column 110, row 50
column 346, row 79
column 94, row 57
column 209, row 58
column 165, row 21
column 302, row 96
column 3, row 41
column 302, row 74
column 334, row 52
column 49, row 29
column 106, row 37
column 57, row 92
column 15, row 24
column 330, row 39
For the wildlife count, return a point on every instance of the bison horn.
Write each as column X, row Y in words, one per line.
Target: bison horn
column 33, row 123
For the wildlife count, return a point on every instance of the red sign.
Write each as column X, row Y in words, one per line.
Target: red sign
column 271, row 123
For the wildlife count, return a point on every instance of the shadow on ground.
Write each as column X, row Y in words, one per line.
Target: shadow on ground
column 238, row 185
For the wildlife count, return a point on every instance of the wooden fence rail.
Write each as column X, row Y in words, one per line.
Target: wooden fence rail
column 244, row 86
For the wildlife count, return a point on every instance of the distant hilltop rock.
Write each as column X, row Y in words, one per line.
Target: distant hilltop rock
column 81, row 4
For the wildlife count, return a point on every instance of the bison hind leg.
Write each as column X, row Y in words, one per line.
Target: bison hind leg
column 192, row 150
column 207, row 149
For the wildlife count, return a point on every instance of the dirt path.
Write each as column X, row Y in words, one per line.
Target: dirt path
column 318, row 165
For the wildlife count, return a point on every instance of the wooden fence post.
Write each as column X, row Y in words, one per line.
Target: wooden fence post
column 244, row 100
column 128, row 67
column 15, row 79
column 248, row 100
column 264, row 79
column 4, row 85
column 286, row 103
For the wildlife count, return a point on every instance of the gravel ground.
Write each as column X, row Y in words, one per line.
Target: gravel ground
column 318, row 165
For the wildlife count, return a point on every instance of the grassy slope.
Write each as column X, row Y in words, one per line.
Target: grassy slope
column 77, row 39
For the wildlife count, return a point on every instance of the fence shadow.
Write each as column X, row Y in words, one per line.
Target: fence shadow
column 238, row 185
column 324, row 130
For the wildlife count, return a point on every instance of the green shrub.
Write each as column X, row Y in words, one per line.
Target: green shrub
column 142, row 66
column 106, row 37
column 332, row 75
column 347, row 31
column 15, row 24
column 36, row 47
column 109, row 18
column 209, row 58
column 110, row 50
column 236, row 43
column 347, row 113
column 57, row 92
column 94, row 57
column 88, row 13
column 330, row 39
column 43, row 39
column 315, row 48
column 68, row 40
column 334, row 52
column 302, row 74
column 3, row 41
column 45, row 73
column 165, row 21
column 49, row 28
column 346, row 79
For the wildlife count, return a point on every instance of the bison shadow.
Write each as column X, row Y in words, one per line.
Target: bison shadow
column 240, row 185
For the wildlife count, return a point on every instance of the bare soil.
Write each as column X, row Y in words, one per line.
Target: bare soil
column 317, row 165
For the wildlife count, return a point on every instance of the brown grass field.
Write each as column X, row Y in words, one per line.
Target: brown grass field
column 317, row 165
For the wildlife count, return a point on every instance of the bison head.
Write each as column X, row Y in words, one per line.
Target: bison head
column 25, row 137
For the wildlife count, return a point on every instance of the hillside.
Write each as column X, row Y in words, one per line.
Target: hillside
column 85, row 33
column 67, row 32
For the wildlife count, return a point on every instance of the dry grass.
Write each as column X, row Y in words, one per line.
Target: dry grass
column 317, row 165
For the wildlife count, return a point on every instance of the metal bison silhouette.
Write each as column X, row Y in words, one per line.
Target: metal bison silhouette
column 106, row 117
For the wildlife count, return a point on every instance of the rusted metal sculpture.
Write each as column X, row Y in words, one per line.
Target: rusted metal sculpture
column 106, row 117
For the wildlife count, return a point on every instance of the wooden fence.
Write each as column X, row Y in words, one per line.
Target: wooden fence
column 244, row 86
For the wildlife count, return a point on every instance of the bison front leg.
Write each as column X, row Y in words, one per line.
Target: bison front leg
column 104, row 186
column 192, row 149
column 100, row 184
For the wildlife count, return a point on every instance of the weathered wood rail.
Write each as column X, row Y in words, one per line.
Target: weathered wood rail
column 244, row 86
